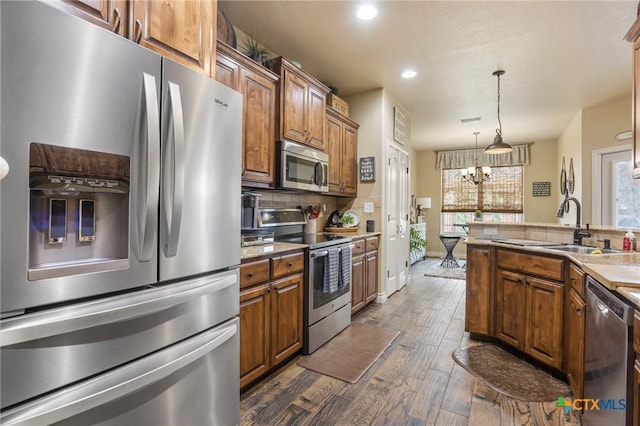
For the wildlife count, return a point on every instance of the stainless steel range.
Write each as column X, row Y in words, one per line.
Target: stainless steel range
column 327, row 295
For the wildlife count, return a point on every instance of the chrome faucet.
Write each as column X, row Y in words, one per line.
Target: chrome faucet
column 578, row 233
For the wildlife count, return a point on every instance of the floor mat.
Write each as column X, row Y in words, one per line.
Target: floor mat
column 350, row 354
column 455, row 273
column 510, row 375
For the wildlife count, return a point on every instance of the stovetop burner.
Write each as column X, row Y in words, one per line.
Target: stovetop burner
column 314, row 241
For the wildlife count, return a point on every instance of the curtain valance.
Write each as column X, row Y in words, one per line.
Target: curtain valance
column 461, row 158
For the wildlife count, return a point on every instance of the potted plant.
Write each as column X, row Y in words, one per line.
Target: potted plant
column 417, row 244
column 346, row 220
column 254, row 50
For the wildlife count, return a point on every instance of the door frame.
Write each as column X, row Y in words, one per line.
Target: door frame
column 382, row 297
column 596, row 184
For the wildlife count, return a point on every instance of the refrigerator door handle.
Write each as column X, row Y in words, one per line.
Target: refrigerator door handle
column 119, row 308
column 150, row 152
column 118, row 383
column 173, row 171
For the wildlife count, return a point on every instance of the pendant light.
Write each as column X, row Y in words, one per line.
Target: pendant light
column 476, row 174
column 498, row 146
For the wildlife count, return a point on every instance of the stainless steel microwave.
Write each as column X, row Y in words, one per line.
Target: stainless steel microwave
column 301, row 167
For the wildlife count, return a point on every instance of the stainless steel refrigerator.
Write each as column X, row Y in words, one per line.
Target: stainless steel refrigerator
column 120, row 230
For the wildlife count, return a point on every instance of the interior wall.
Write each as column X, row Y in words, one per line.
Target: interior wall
column 570, row 146
column 541, row 169
column 429, row 185
column 366, row 110
column 600, row 124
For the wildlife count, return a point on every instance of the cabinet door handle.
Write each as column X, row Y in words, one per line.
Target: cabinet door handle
column 290, row 264
column 249, row 274
column 116, row 20
column 137, row 31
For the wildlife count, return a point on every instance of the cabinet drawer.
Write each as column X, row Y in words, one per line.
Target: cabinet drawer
column 548, row 267
column 576, row 279
column 636, row 333
column 358, row 247
column 287, row 264
column 254, row 272
column 372, row 244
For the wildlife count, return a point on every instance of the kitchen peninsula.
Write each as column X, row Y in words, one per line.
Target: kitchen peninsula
column 527, row 289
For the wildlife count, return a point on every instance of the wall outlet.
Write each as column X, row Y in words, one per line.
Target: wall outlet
column 490, row 231
column 368, row 207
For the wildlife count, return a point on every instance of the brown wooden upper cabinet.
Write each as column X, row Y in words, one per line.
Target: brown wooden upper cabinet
column 184, row 31
column 342, row 147
column 300, row 111
column 258, row 87
column 109, row 14
column 633, row 36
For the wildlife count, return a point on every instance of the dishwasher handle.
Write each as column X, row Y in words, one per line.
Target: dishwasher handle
column 608, row 303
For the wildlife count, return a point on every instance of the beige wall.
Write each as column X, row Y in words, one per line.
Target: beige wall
column 570, row 146
column 600, row 124
column 374, row 111
column 541, row 169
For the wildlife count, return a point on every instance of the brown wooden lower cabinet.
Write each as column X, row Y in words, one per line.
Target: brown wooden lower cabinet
column 529, row 309
column 255, row 333
column 543, row 339
column 364, row 273
column 271, row 322
column 510, row 312
column 478, row 312
column 574, row 330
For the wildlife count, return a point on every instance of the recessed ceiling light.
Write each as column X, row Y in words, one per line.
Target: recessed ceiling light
column 367, row 12
column 409, row 74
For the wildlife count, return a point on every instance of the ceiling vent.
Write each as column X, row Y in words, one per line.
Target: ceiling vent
column 469, row 120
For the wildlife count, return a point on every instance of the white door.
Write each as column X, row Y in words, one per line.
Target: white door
column 393, row 220
column 403, row 215
column 397, row 197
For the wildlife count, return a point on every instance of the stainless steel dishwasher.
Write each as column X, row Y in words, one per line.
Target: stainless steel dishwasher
column 608, row 357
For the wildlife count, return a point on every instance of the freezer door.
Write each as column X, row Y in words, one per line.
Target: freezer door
column 201, row 174
column 194, row 382
column 48, row 350
column 68, row 83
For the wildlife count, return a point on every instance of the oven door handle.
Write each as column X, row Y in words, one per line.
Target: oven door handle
column 319, row 254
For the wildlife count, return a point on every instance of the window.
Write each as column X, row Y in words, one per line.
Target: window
column 499, row 200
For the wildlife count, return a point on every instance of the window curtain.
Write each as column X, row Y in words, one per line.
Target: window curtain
column 462, row 158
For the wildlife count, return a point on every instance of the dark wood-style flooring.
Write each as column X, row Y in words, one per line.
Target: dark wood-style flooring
column 415, row 381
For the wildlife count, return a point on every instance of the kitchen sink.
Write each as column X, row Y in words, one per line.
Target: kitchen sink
column 581, row 249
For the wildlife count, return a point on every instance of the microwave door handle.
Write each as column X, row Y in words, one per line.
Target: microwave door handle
column 318, row 174
column 149, row 150
column 174, row 170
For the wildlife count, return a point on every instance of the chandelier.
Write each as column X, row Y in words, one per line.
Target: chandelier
column 498, row 146
column 476, row 174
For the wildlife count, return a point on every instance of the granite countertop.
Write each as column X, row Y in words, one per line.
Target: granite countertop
column 357, row 234
column 614, row 270
column 268, row 249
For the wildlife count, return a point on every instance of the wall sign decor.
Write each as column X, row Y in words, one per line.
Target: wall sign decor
column 368, row 169
column 541, row 189
column 399, row 126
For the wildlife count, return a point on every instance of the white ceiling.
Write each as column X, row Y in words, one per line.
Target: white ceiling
column 559, row 57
